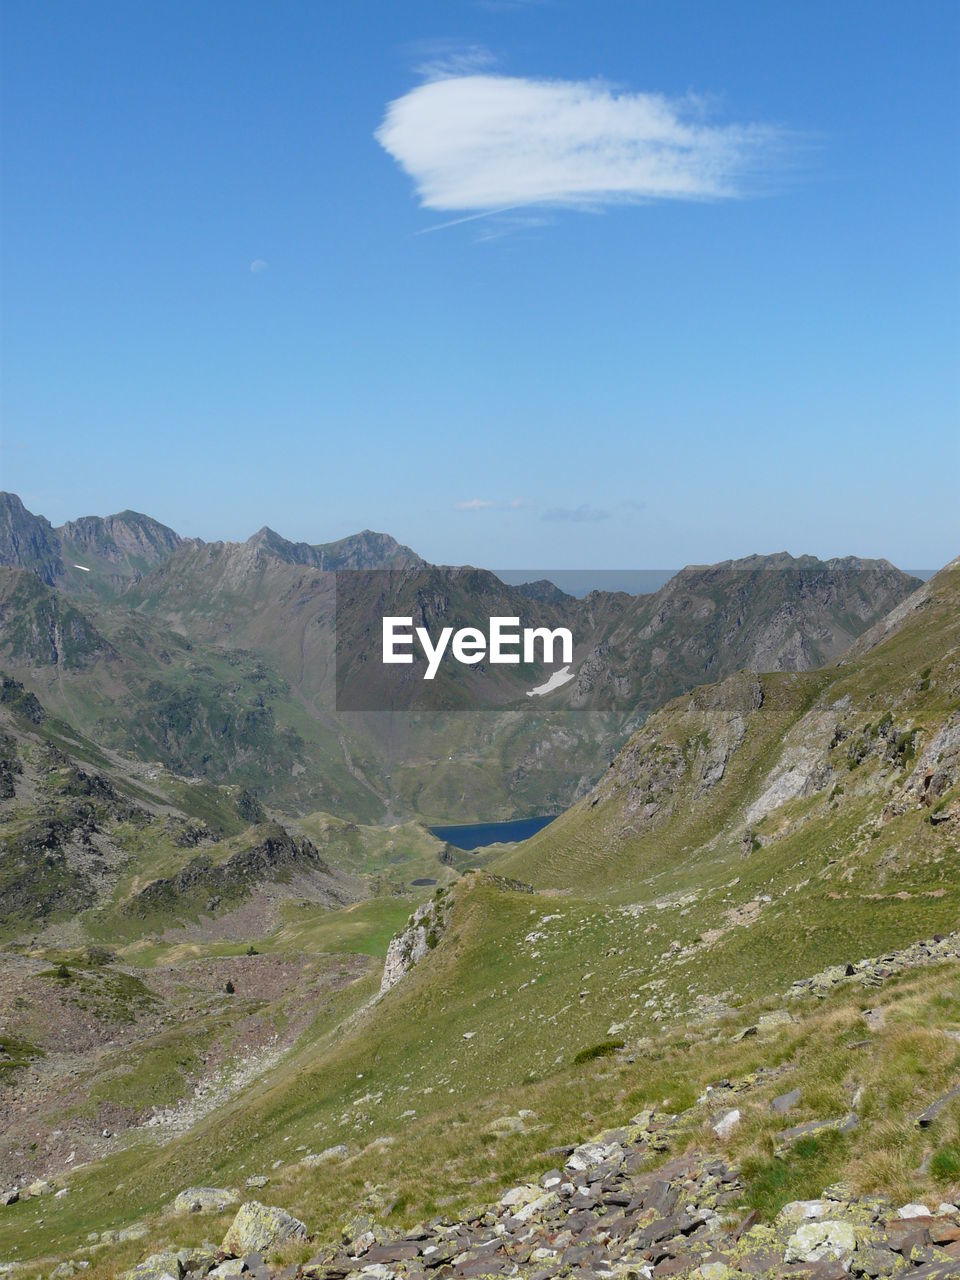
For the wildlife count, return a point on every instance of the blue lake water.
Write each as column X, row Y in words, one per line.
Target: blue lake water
column 475, row 835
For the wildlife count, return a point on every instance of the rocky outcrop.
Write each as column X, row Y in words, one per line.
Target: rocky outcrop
column 654, row 770
column 938, row 767
column 421, row 935
column 28, row 541
column 20, row 700
column 875, row 970
column 274, row 856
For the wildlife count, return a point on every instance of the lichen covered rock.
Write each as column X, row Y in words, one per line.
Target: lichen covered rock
column 204, row 1200
column 260, row 1226
column 816, row 1241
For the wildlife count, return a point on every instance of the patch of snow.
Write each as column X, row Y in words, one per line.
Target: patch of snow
column 556, row 680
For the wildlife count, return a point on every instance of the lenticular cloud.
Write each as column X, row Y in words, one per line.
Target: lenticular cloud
column 484, row 142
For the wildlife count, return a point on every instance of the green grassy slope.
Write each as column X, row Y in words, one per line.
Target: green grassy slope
column 396, row 855
column 688, row 780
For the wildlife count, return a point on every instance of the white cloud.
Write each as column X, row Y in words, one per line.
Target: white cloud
column 578, row 515
column 258, row 265
column 474, row 504
column 475, row 143
column 488, row 504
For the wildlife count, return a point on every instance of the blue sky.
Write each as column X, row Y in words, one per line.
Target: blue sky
column 720, row 315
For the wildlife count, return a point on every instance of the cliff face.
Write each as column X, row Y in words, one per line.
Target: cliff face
column 421, row 935
column 28, row 541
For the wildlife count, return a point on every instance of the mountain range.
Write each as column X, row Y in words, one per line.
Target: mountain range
column 220, row 659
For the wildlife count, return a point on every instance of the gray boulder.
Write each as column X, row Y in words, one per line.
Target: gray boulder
column 261, row 1226
column 204, row 1200
column 156, row 1267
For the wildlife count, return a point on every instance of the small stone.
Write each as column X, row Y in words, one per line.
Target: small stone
column 777, row 1018
column 135, row 1232
column 339, row 1152
column 536, row 1206
column 590, row 1154
column 199, row 1258
column 785, row 1102
column 521, row 1195
column 875, row 1260
column 506, row 1124
column 804, row 1210
column 226, row 1270
column 727, row 1123
column 913, row 1211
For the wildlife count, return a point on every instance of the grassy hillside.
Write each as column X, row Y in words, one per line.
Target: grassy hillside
column 755, row 834
column 760, row 763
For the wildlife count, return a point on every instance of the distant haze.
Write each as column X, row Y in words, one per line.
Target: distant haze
column 580, row 582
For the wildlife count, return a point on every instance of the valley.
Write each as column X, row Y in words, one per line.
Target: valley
column 314, row 995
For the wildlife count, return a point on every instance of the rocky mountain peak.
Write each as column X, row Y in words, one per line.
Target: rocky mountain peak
column 28, row 541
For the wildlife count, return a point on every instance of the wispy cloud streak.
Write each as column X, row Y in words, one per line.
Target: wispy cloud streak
column 489, row 504
column 584, row 514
